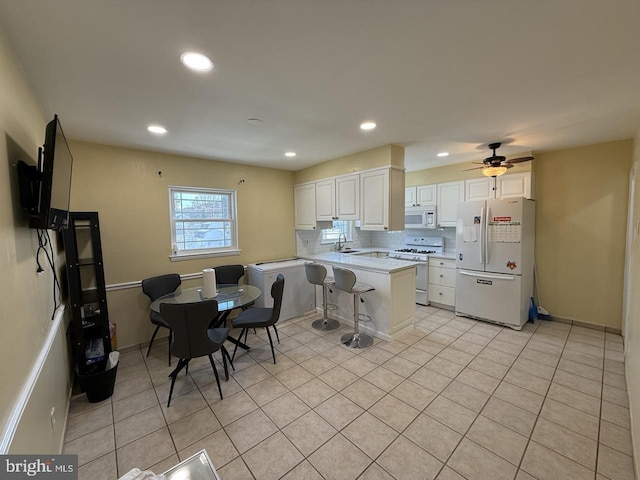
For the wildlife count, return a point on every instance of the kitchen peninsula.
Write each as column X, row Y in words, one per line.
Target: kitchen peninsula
column 390, row 307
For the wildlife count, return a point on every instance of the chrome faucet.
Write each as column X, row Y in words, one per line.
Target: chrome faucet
column 340, row 246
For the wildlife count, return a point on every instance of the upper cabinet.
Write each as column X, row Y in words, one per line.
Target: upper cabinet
column 449, row 195
column 479, row 188
column 420, row 196
column 505, row 186
column 514, row 185
column 338, row 198
column 304, row 197
column 382, row 199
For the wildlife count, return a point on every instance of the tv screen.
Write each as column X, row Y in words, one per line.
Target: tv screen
column 54, row 181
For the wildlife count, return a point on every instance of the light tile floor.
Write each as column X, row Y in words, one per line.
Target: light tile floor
column 453, row 399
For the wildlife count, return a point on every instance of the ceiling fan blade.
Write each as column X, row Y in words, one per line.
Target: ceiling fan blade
column 474, row 168
column 519, row 160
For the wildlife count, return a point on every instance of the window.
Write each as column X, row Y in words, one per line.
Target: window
column 330, row 235
column 203, row 221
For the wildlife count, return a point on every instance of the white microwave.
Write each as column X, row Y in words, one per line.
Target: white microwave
column 420, row 217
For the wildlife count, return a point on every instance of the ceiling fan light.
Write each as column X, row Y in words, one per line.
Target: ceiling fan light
column 493, row 171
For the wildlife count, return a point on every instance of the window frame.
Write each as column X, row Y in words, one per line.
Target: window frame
column 233, row 249
column 349, row 234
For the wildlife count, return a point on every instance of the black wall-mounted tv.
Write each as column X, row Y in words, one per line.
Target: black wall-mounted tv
column 45, row 190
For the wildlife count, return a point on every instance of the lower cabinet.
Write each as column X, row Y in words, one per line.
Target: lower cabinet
column 442, row 281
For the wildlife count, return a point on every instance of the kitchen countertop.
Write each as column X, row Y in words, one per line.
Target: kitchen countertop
column 447, row 255
column 386, row 265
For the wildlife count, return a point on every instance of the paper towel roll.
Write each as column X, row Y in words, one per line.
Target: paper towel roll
column 209, row 282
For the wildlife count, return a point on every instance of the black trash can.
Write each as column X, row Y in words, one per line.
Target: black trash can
column 98, row 385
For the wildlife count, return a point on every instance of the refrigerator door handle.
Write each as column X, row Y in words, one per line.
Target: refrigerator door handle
column 487, row 275
column 481, row 242
column 486, row 237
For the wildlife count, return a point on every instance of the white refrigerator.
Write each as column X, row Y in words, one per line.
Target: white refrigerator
column 494, row 260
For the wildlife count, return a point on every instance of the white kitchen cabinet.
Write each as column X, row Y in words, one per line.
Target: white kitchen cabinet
column 479, row 189
column 338, row 198
column 442, row 281
column 514, row 185
column 304, row 203
column 382, row 199
column 420, row 196
column 449, row 195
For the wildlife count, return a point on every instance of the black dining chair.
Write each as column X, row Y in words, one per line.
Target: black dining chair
column 192, row 337
column 229, row 274
column 262, row 317
column 154, row 288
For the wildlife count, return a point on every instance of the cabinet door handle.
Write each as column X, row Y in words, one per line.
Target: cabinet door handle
column 441, row 275
column 439, row 293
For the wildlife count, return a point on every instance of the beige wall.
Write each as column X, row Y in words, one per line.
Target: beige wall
column 581, row 212
column 632, row 320
column 132, row 199
column 27, row 303
column 451, row 173
column 377, row 157
column 580, row 226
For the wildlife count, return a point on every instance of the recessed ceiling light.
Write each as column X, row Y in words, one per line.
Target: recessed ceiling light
column 368, row 126
column 443, row 154
column 254, row 121
column 157, row 129
column 290, row 154
column 196, row 61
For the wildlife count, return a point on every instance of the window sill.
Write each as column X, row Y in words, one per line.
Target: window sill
column 181, row 257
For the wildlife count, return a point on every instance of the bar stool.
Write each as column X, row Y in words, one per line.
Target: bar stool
column 317, row 275
column 346, row 281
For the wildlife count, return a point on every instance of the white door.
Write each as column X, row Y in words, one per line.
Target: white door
column 514, row 185
column 469, row 235
column 426, row 195
column 410, row 197
column 490, row 296
column 348, row 197
column 374, row 200
column 479, row 189
column 326, row 200
column 304, row 202
column 504, row 226
column 449, row 195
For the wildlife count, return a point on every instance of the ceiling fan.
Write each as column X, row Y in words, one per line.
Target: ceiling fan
column 496, row 165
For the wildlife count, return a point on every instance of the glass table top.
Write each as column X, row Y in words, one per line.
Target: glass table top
column 196, row 467
column 228, row 297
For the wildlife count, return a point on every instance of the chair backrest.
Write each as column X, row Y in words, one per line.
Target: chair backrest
column 189, row 323
column 316, row 273
column 156, row 287
column 229, row 273
column 345, row 279
column 277, row 289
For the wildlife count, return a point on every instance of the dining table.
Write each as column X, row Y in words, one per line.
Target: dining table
column 228, row 296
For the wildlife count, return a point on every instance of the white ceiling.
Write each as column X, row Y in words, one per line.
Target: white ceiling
column 435, row 75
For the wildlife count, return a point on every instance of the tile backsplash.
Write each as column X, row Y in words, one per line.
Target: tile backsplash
column 308, row 241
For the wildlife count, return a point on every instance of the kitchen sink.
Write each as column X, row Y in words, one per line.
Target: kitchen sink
column 351, row 251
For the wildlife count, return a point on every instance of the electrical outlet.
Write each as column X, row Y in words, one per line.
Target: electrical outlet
column 53, row 418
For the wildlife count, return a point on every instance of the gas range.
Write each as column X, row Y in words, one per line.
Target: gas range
column 417, row 249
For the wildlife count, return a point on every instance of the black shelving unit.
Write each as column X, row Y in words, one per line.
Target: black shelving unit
column 89, row 327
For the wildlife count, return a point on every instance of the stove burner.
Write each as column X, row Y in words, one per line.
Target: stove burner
column 415, row 250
